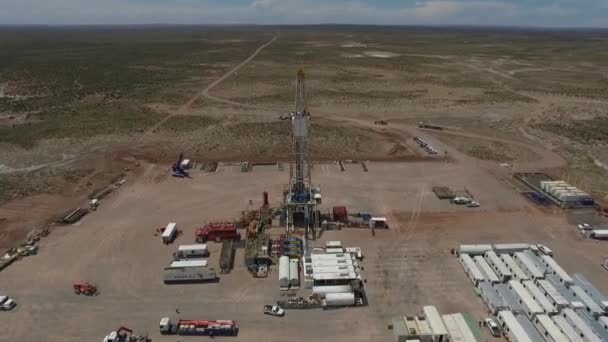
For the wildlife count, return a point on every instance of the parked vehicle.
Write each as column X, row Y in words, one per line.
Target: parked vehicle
column 217, row 232
column 585, row 226
column 473, row 204
column 169, row 233
column 273, row 310
column 492, row 326
column 193, row 274
column 460, row 200
column 85, row 288
column 545, row 250
column 124, row 334
column 198, row 327
column 6, row 303
column 192, row 251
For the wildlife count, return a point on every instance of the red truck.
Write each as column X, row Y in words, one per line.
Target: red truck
column 217, row 232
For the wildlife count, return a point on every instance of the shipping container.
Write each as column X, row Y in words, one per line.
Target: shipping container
column 599, row 234
column 530, row 307
column 516, row 271
column 169, row 233
column 511, row 328
column 452, row 328
column 322, row 291
column 510, row 248
column 580, row 326
column 547, row 328
column 294, row 273
column 189, row 263
column 552, row 294
column 486, row 269
column 566, row 329
column 474, row 249
column 339, row 299
column 527, row 265
column 284, row 272
column 540, row 297
column 499, row 267
column 554, row 268
column 175, row 275
column 471, row 269
column 192, row 251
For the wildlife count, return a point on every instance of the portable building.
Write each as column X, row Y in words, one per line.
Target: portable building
column 516, row 271
column 511, row 328
column 540, row 297
column 337, row 250
column 552, row 294
column 193, row 251
column 169, row 233
column 338, row 256
column 599, row 234
column 528, row 266
column 547, row 328
column 510, row 248
column 474, row 249
column 589, row 304
column 486, row 269
column 294, row 273
column 530, row 307
column 603, row 323
column 529, row 328
column 591, row 290
column 284, row 272
column 491, row 297
column 340, row 299
column 510, row 300
column 440, row 333
column 464, row 328
column 335, row 262
column 322, row 291
column 471, row 269
column 554, row 268
column 452, row 328
column 566, row 329
column 580, row 326
column 177, row 275
column 333, row 269
column 190, row 263
column 333, row 244
column 501, row 270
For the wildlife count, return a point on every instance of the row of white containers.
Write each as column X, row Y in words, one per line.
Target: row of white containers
column 289, row 273
column 564, row 191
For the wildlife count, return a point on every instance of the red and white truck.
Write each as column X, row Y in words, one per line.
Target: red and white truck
column 198, row 327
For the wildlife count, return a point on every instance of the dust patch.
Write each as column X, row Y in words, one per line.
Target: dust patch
column 352, row 55
column 380, row 54
column 350, row 44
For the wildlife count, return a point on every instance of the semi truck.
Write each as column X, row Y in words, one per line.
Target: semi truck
column 194, row 274
column 198, row 327
column 217, row 232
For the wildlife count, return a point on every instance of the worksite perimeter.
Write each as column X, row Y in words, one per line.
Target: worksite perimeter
column 406, row 266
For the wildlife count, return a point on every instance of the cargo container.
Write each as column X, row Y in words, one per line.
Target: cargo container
column 590, row 305
column 474, row 249
column 284, row 272
column 511, row 328
column 332, row 269
column 355, row 251
column 499, row 267
column 530, row 307
column 226, row 256
column 566, row 329
column 440, row 333
column 599, row 234
column 339, row 299
column 189, row 263
column 547, row 328
column 510, row 248
column 555, row 269
column 294, row 274
column 169, row 233
column 528, row 266
column 338, row 250
column 192, row 251
column 176, row 275
column 540, row 297
column 486, row 269
column 471, row 269
column 333, row 244
column 516, row 271
column 552, row 294
column 580, row 326
column 452, row 328
column 217, row 232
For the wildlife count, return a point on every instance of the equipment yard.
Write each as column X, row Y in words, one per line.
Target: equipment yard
column 329, row 219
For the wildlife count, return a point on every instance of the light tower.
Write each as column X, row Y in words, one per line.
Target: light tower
column 301, row 199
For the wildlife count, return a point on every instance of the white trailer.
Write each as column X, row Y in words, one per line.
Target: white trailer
column 440, row 333
column 499, row 267
column 552, row 294
column 510, row 248
column 528, row 304
column 464, row 328
column 189, row 263
column 284, row 273
column 599, row 234
column 590, row 305
column 452, row 328
column 580, row 326
column 547, row 328
column 471, row 269
column 540, row 297
column 486, row 269
column 339, row 299
column 337, row 262
column 516, row 271
column 474, row 249
column 294, row 274
column 511, row 328
column 554, row 268
column 566, row 329
column 169, row 232
column 198, row 250
column 332, row 269
column 528, row 266
column 322, row 291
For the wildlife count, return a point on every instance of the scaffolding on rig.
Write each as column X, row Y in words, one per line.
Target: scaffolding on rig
column 301, row 198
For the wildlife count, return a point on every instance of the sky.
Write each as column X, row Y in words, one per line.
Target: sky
column 543, row 13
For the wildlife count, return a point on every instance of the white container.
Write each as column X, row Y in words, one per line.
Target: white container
column 190, row 263
column 599, row 234
column 474, row 249
column 169, row 232
column 192, row 251
column 294, row 273
column 322, row 291
column 340, row 299
column 284, row 272
column 333, row 244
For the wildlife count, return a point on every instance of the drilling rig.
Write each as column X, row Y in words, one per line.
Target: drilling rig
column 301, row 199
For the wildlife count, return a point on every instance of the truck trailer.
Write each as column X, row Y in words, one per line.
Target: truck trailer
column 198, row 250
column 198, row 327
column 193, row 274
column 169, row 233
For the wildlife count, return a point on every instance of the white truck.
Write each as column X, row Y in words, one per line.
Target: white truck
column 6, row 303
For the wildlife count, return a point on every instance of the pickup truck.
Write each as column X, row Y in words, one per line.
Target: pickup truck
column 273, row 310
column 6, row 303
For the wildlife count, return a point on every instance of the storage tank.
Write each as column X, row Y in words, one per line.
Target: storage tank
column 294, row 273
column 284, row 272
column 340, row 299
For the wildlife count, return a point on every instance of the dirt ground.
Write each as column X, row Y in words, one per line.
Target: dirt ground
column 407, row 266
